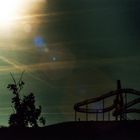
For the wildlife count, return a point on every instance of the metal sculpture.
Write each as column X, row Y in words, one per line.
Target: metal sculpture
column 119, row 108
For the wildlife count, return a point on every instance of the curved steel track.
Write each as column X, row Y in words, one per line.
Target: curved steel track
column 125, row 107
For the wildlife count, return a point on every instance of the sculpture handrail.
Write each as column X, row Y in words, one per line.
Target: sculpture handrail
column 78, row 106
column 84, row 110
column 119, row 108
column 109, row 94
column 129, row 104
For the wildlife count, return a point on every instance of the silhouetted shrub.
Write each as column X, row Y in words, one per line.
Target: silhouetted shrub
column 25, row 112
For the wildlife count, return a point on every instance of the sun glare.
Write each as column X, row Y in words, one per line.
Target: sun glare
column 9, row 10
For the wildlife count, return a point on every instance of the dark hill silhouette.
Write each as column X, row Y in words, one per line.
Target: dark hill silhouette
column 104, row 130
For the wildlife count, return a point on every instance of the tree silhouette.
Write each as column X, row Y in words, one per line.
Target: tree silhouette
column 25, row 112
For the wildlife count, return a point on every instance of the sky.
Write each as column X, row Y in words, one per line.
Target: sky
column 70, row 50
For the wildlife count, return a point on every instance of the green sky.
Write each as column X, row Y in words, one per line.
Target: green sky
column 70, row 50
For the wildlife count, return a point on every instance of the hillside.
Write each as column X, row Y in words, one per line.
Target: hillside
column 127, row 130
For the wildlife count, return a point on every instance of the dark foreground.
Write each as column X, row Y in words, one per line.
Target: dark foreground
column 124, row 130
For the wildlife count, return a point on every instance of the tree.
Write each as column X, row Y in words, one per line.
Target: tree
column 42, row 121
column 25, row 112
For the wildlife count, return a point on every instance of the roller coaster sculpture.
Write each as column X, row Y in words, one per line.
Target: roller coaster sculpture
column 120, row 107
